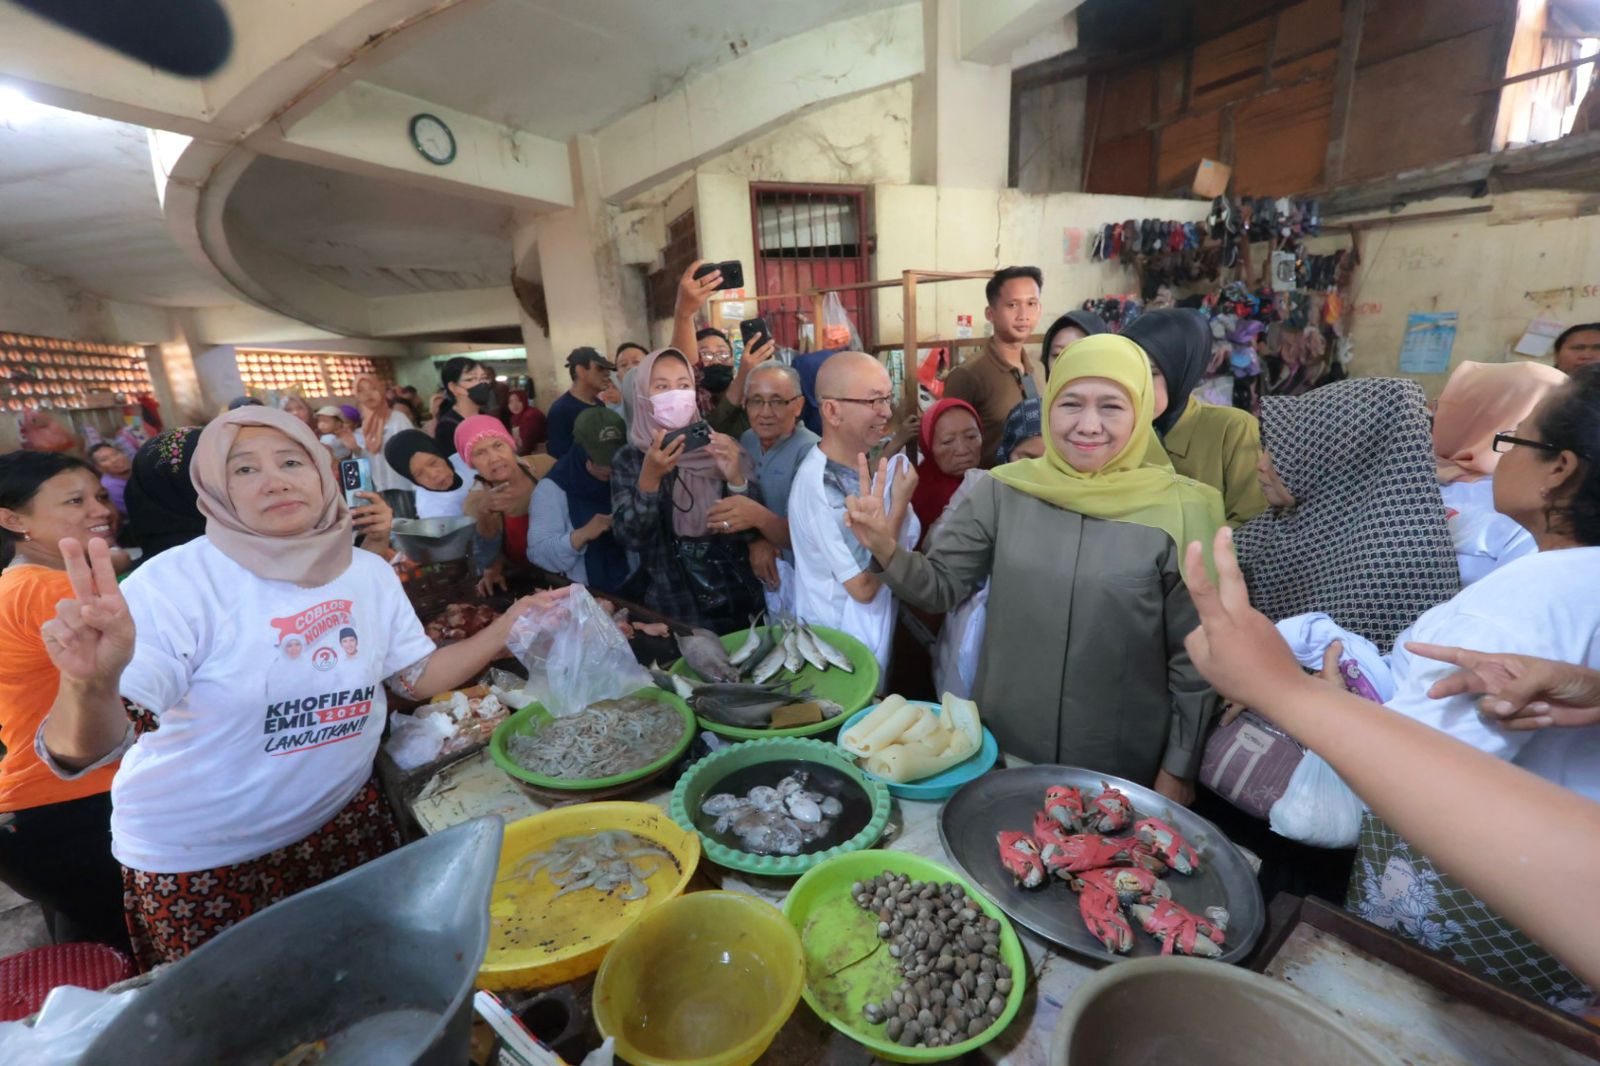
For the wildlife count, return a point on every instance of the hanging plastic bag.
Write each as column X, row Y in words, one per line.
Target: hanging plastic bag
column 837, row 329
column 930, row 372
column 1318, row 808
column 960, row 644
column 575, row 655
column 414, row 741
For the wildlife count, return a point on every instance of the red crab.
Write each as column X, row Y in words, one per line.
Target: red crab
column 1180, row 929
column 1020, row 855
column 1103, row 915
column 1064, row 803
column 1167, row 844
column 1130, row 884
column 1110, row 811
column 1077, row 852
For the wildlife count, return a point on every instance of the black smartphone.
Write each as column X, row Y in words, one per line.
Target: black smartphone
column 696, row 435
column 754, row 331
column 732, row 273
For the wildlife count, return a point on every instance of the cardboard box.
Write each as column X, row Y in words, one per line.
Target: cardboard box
column 1211, row 178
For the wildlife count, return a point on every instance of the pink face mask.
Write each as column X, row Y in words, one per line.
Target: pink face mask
column 675, row 409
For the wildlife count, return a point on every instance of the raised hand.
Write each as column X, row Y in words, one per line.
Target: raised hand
column 693, row 292
column 660, row 461
column 865, row 516
column 1518, row 691
column 729, row 456
column 90, row 640
column 1236, row 648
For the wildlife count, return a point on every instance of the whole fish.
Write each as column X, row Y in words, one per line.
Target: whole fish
column 770, row 663
column 808, row 648
column 829, row 652
column 792, row 659
column 748, row 667
column 703, row 651
column 752, row 641
column 748, row 706
column 682, row 686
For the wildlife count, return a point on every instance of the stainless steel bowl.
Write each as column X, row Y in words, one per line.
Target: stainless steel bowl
column 434, row 540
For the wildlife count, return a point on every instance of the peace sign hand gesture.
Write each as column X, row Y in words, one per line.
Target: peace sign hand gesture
column 90, row 639
column 864, row 514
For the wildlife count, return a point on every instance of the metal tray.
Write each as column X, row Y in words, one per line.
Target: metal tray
column 1008, row 799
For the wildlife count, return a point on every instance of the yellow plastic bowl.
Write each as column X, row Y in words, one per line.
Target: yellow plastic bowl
column 536, row 940
column 706, row 979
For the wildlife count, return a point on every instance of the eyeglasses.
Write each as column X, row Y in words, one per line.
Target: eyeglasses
column 715, row 357
column 758, row 403
column 1504, row 442
column 877, row 403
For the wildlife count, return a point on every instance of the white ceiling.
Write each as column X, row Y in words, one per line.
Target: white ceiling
column 560, row 67
column 78, row 200
column 371, row 237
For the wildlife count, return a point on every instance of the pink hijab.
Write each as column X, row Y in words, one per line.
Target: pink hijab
column 1480, row 400
column 699, row 483
column 472, row 430
column 310, row 559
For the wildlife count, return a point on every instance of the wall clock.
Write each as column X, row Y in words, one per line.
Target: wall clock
column 433, row 139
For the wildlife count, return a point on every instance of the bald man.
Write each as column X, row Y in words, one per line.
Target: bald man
column 834, row 585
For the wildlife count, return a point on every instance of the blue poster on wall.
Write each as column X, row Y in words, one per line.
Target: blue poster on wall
column 1429, row 338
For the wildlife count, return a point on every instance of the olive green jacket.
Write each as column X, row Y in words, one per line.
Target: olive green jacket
column 1219, row 446
column 1083, row 660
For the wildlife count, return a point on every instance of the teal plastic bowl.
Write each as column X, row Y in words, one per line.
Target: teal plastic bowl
column 703, row 778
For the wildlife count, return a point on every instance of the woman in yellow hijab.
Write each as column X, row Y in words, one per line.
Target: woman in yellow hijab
column 1083, row 660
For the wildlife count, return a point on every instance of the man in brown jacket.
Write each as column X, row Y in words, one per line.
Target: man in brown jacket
column 1001, row 376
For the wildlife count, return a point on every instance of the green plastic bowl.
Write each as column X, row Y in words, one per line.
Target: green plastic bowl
column 835, row 932
column 532, row 717
column 850, row 691
column 702, row 779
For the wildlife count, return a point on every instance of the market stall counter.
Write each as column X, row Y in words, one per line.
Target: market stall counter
column 1427, row 1008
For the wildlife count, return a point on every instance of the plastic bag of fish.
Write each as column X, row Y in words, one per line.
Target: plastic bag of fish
column 776, row 819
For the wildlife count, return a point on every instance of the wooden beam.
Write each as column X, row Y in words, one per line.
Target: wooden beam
column 1541, row 72
column 1344, row 88
column 1272, row 49
column 908, row 341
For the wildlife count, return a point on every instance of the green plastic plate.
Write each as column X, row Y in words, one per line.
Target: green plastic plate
column 850, row 691
column 534, row 716
column 702, row 779
column 847, row 966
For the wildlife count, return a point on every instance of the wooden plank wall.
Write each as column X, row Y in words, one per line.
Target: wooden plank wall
column 1260, row 95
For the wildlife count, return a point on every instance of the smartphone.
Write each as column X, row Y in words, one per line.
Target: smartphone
column 696, row 435
column 355, row 475
column 754, row 331
column 732, row 273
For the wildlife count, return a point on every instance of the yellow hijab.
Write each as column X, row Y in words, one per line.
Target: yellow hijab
column 1131, row 487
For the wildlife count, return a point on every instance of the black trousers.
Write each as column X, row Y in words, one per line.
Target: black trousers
column 59, row 856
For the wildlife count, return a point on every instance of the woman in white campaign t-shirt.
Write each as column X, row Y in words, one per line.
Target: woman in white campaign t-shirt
column 261, row 651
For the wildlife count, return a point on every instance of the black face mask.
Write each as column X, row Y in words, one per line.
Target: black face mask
column 481, row 394
column 717, row 378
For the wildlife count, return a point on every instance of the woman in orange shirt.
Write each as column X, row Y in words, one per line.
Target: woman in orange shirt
column 55, row 835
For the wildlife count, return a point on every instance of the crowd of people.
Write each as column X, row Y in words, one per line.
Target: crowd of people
column 1122, row 576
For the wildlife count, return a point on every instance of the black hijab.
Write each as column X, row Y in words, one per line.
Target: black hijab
column 163, row 511
column 1087, row 321
column 1179, row 341
column 399, row 449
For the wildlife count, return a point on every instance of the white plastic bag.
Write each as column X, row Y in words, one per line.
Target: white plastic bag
column 415, row 742
column 955, row 655
column 837, row 329
column 1317, row 807
column 68, row 1023
column 575, row 655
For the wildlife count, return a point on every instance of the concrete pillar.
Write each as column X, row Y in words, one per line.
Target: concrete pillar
column 961, row 111
column 581, row 271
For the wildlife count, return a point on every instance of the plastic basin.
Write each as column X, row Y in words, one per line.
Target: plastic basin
column 706, row 979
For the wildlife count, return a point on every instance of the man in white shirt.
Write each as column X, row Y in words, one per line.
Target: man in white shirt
column 834, row 584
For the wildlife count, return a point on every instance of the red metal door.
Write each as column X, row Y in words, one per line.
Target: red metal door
column 810, row 237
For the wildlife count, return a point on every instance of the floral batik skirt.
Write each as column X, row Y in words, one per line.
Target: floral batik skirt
column 169, row 915
column 1396, row 887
